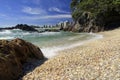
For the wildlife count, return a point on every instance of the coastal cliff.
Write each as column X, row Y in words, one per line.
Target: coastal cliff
column 86, row 24
column 95, row 16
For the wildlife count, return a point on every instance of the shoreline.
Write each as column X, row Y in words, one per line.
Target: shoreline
column 97, row 59
column 54, row 51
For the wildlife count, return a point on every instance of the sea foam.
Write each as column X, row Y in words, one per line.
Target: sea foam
column 51, row 52
column 7, row 37
column 6, row 32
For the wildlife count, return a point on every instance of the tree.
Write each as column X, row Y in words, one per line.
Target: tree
column 106, row 8
column 98, row 14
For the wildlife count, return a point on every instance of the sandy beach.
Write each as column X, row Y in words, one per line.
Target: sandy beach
column 95, row 60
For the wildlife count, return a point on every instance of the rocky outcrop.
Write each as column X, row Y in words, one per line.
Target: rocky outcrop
column 52, row 30
column 12, row 56
column 87, row 23
column 95, row 15
column 24, row 27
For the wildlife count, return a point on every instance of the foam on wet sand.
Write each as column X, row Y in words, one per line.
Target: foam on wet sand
column 51, row 52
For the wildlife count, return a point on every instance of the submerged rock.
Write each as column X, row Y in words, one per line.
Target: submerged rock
column 12, row 56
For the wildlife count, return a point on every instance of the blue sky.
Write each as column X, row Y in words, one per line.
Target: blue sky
column 33, row 12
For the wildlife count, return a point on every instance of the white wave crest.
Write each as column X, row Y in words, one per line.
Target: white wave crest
column 51, row 52
column 26, row 33
column 8, row 37
column 5, row 32
column 49, row 33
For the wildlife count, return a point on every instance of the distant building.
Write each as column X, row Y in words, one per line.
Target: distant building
column 66, row 23
column 61, row 25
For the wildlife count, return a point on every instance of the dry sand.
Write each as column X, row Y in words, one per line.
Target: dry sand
column 95, row 60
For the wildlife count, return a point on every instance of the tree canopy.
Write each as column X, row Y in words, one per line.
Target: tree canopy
column 95, row 7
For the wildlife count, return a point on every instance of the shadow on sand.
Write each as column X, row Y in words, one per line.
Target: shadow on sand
column 30, row 65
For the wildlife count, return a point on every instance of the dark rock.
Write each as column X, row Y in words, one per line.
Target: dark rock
column 24, row 27
column 52, row 30
column 86, row 23
column 12, row 56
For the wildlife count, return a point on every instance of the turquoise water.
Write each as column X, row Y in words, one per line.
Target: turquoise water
column 49, row 42
column 46, row 39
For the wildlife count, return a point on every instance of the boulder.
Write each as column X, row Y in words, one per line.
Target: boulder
column 12, row 56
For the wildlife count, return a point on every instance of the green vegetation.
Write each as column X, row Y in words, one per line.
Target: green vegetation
column 95, row 7
column 96, row 15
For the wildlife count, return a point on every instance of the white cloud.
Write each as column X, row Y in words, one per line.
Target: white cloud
column 59, row 16
column 57, row 10
column 30, row 10
column 56, row 16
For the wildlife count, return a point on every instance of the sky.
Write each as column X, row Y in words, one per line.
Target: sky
column 34, row 12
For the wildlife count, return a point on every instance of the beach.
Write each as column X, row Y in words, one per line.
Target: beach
column 94, row 60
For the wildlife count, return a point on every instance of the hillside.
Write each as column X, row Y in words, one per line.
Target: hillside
column 95, row 15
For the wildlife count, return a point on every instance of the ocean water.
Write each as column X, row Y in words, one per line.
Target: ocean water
column 50, row 42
